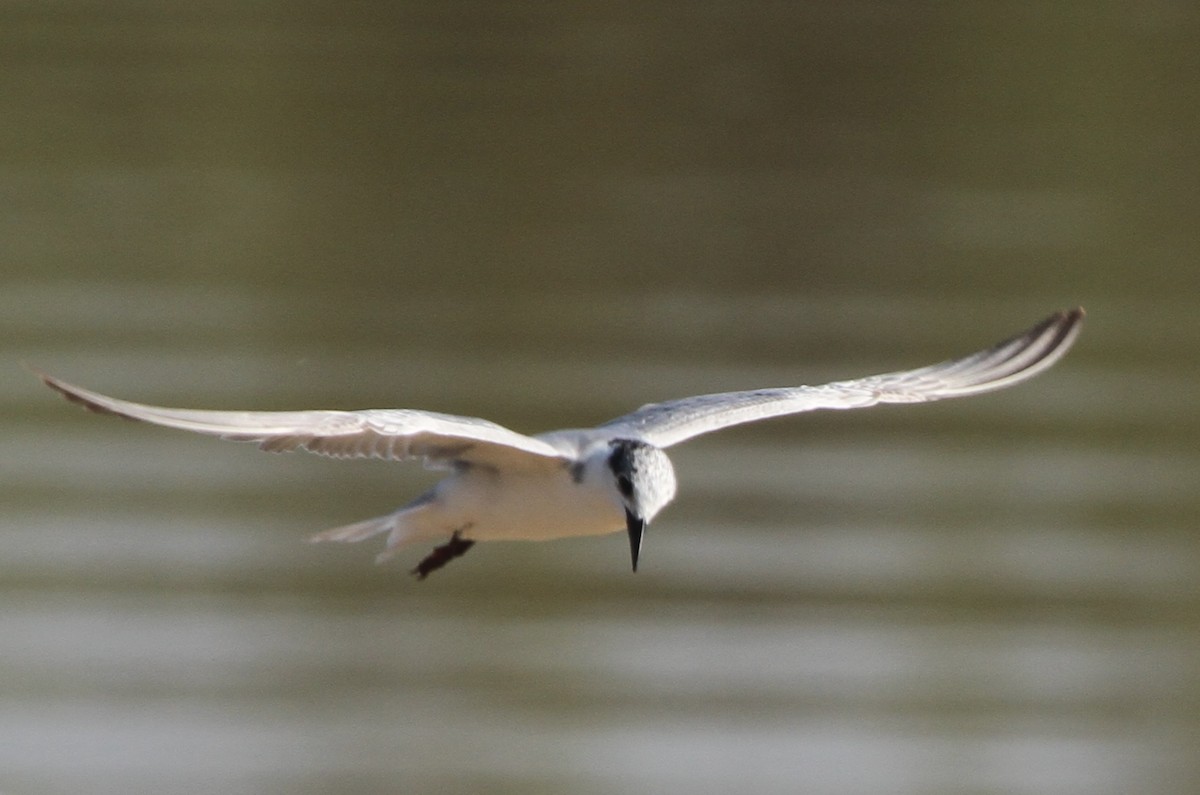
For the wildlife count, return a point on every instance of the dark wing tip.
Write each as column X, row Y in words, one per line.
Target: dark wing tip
column 71, row 393
column 1068, row 322
column 1026, row 354
column 1064, row 319
column 1070, row 317
column 1051, row 337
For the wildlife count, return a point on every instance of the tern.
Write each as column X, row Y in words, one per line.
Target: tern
column 504, row 485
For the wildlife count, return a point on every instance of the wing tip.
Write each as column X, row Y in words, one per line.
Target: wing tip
column 1063, row 318
column 1071, row 317
column 1068, row 322
column 1044, row 344
column 72, row 393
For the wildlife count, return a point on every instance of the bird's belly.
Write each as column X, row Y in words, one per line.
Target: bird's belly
column 535, row 507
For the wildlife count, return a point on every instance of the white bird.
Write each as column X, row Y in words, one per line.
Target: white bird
column 505, row 485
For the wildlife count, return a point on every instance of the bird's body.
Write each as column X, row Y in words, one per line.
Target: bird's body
column 577, row 494
column 552, row 500
column 507, row 486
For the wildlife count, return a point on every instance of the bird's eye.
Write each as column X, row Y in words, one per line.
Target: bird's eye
column 625, row 485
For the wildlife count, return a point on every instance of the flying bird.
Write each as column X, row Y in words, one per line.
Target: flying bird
column 504, row 485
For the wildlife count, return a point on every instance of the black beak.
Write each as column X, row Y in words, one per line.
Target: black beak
column 635, row 525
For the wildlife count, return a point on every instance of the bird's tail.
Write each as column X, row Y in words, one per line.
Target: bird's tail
column 359, row 531
column 403, row 527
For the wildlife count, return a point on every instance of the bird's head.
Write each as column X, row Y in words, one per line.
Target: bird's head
column 645, row 481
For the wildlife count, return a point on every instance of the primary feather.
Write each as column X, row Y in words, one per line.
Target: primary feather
column 1004, row 364
column 396, row 434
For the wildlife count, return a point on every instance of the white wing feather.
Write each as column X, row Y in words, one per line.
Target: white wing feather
column 1004, row 364
column 447, row 440
column 397, row 434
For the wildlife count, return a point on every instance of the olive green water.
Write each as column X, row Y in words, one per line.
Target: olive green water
column 548, row 214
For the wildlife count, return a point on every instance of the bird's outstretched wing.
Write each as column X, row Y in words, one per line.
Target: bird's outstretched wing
column 441, row 439
column 1005, row 364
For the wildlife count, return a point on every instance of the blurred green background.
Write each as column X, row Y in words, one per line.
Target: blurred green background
column 548, row 214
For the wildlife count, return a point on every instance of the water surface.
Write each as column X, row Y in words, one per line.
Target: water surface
column 549, row 216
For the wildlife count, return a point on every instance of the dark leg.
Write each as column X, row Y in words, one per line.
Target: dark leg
column 457, row 546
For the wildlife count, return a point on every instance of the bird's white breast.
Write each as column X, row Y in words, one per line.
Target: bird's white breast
column 490, row 505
